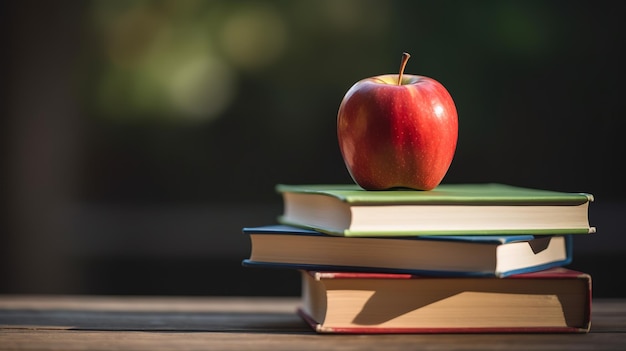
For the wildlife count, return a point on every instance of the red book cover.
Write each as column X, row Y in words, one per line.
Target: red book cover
column 556, row 300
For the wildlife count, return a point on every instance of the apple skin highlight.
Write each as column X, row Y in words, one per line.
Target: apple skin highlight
column 397, row 135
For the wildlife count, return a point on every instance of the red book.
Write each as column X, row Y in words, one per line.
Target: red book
column 556, row 300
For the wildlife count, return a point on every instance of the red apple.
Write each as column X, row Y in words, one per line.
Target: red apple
column 397, row 131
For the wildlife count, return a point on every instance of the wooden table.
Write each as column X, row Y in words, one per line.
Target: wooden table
column 241, row 323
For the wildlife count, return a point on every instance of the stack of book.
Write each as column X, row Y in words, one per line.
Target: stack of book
column 459, row 258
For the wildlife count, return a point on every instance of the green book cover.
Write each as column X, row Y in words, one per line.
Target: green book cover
column 494, row 193
column 449, row 209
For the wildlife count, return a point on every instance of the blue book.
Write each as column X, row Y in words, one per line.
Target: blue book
column 284, row 246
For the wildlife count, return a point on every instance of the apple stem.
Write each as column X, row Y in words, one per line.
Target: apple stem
column 405, row 58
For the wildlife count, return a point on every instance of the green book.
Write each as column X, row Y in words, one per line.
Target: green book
column 449, row 209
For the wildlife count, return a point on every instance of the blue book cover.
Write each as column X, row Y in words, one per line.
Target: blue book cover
column 284, row 246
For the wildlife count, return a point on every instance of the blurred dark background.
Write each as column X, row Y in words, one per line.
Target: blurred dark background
column 139, row 137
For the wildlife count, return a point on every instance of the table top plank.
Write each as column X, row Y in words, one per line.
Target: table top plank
column 245, row 323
